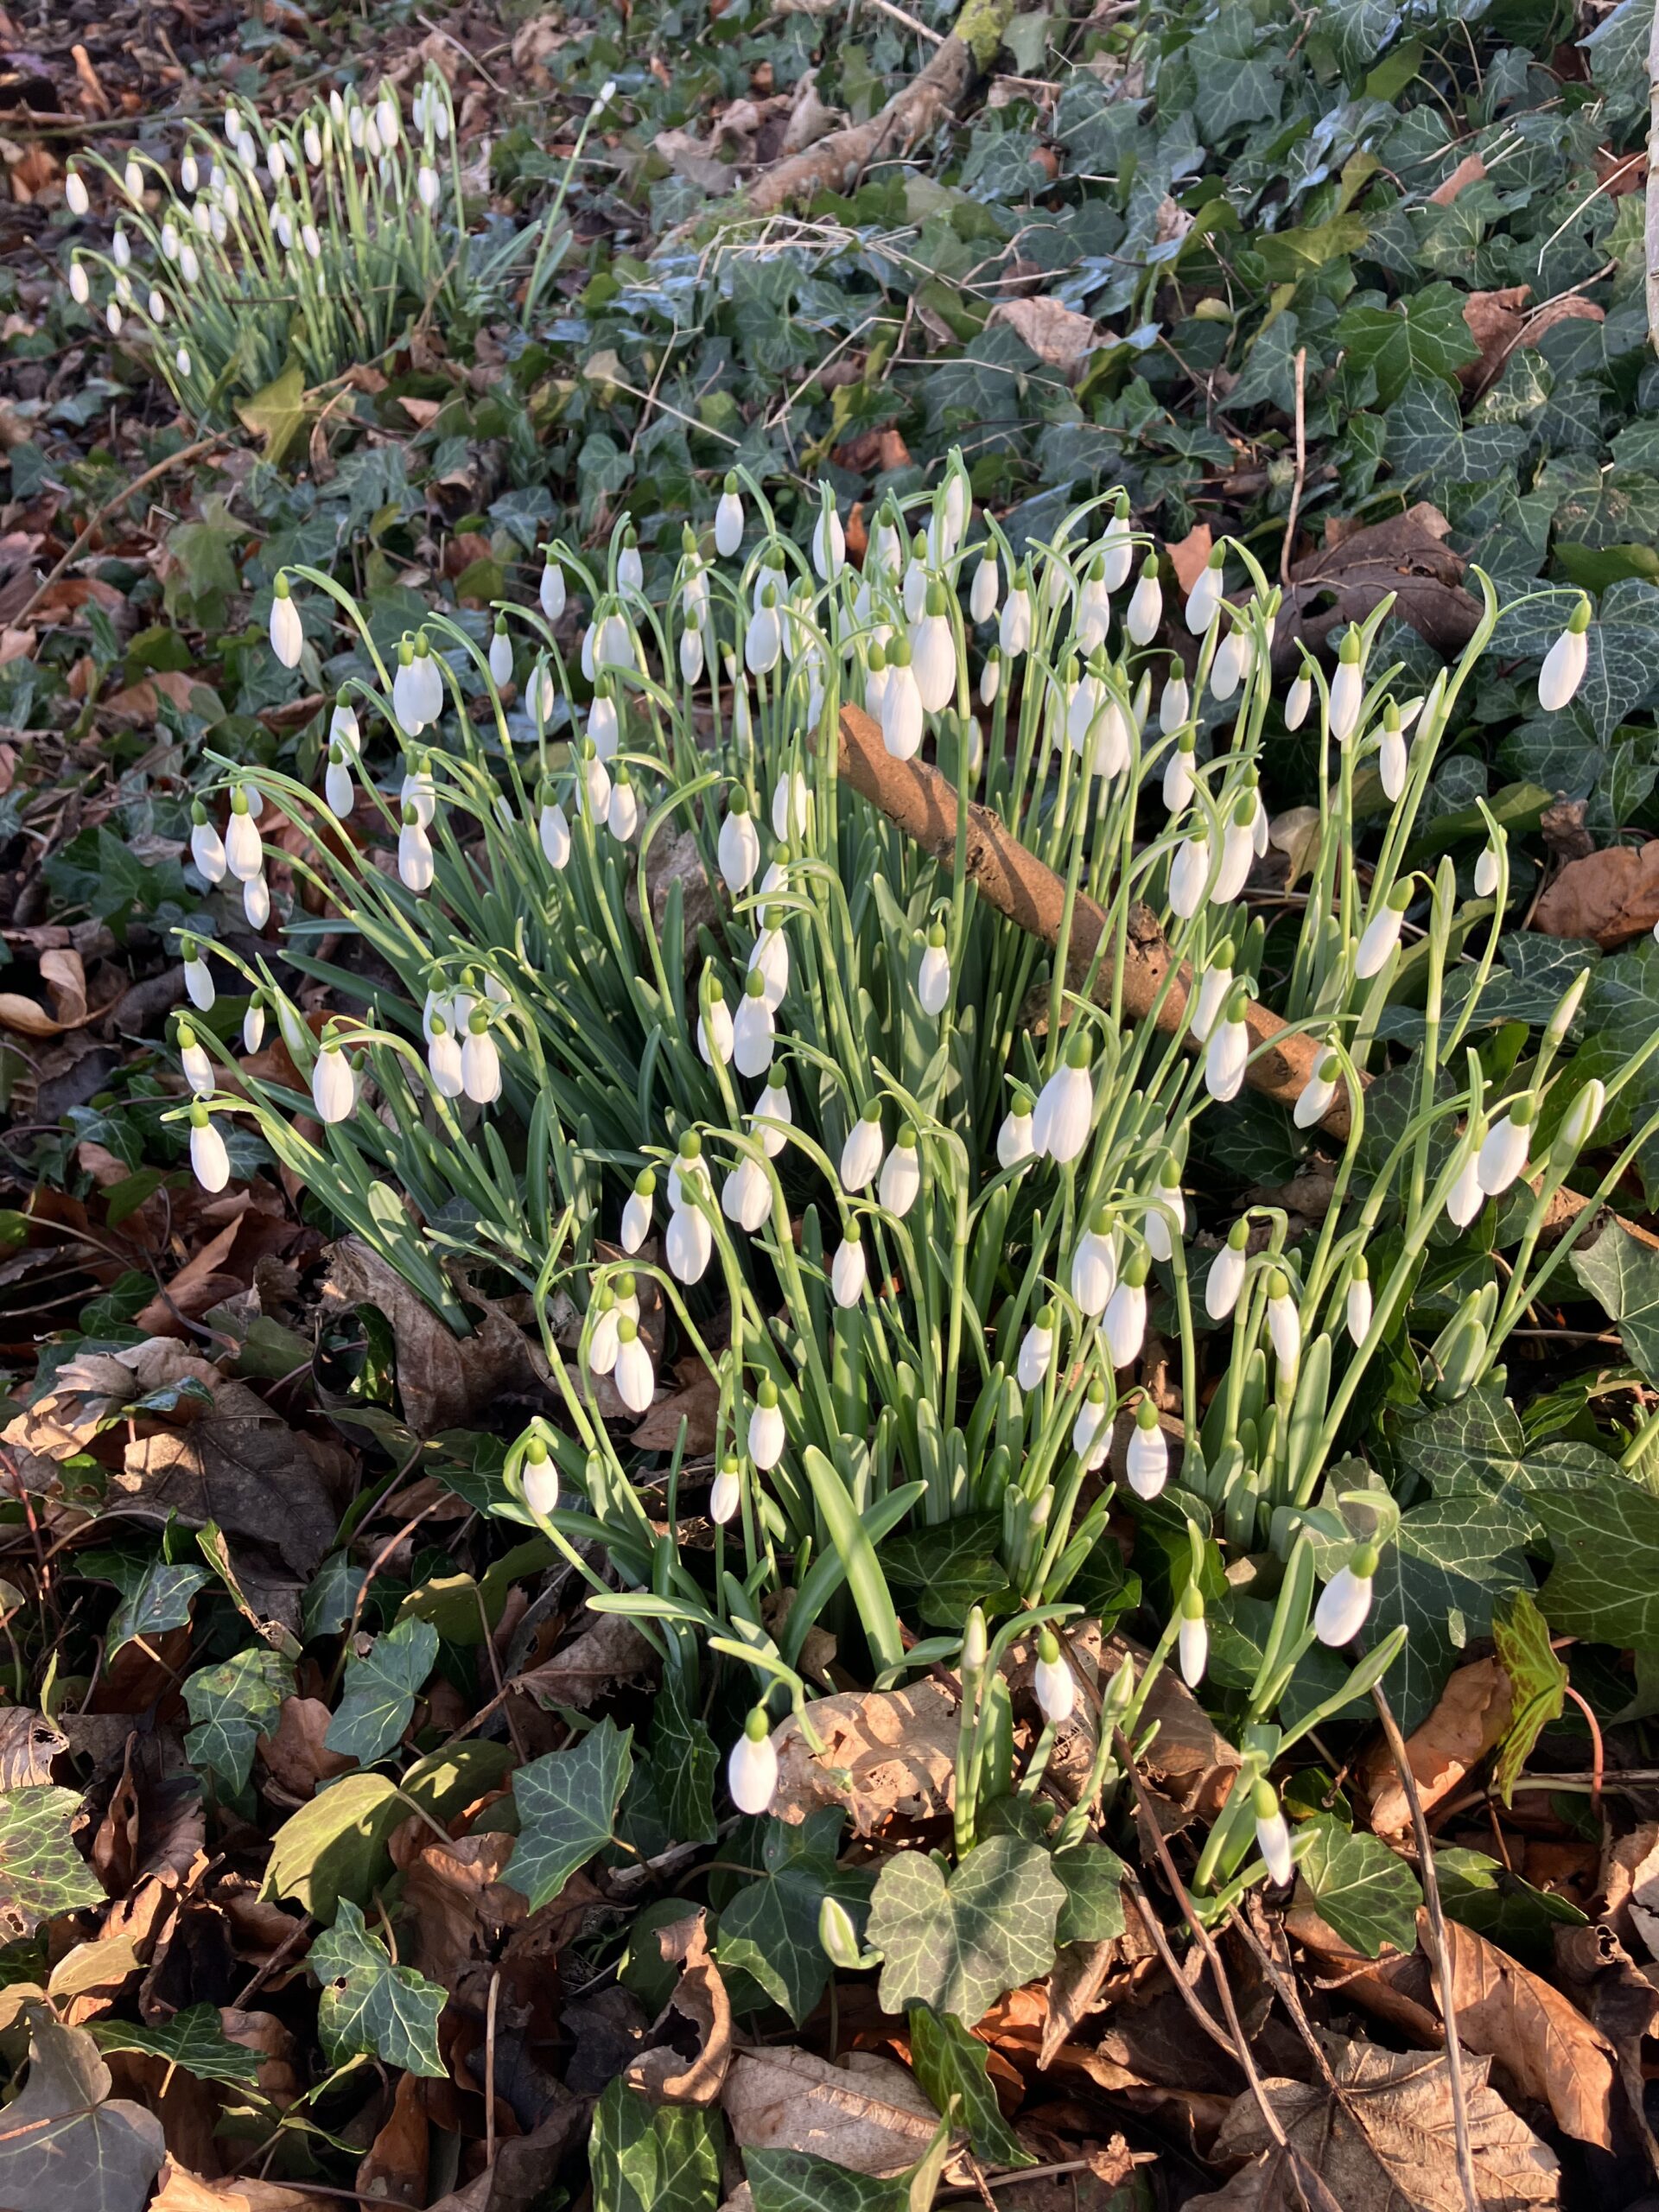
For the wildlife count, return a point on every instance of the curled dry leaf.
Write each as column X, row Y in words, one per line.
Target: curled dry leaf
column 603, row 1659
column 1468, row 1722
column 869, row 2115
column 297, row 1761
column 1354, row 570
column 1629, row 1881
column 1054, row 333
column 1190, row 557
column 1611, row 896
column 443, row 1380
column 183, row 2191
column 698, row 2009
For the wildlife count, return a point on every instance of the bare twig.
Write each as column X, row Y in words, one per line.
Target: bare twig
column 1439, row 1960
column 102, row 515
column 1653, row 184
column 489, row 2069
column 1299, row 484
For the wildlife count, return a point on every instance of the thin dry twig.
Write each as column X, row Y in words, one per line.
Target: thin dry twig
column 109, row 507
column 1299, row 484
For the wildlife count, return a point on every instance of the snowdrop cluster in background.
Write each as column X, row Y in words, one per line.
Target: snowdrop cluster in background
column 783, row 1057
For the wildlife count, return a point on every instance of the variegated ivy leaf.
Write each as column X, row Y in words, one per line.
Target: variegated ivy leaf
column 956, row 1942
column 41, row 1873
column 770, row 1929
column 567, row 1805
column 380, row 1691
column 1366, row 1891
column 68, row 2144
column 193, row 2039
column 371, row 2008
column 647, row 2158
column 154, row 1594
column 233, row 1705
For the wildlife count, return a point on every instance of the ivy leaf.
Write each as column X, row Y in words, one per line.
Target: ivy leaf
column 380, row 1692
column 646, row 2157
column 950, row 1565
column 1092, row 1876
column 233, row 1705
column 1477, row 1447
column 335, row 1847
column 1481, row 1894
column 1623, row 1276
column 41, row 1873
column 154, row 1594
column 1450, row 1560
column 277, row 412
column 193, row 2039
column 1366, row 1891
column 794, row 2181
column 1537, row 1677
column 567, row 1805
column 1605, row 1584
column 953, row 2067
column 957, row 1941
column 770, row 1929
column 66, row 2144
column 1426, row 436
column 371, row 2008
column 1423, row 335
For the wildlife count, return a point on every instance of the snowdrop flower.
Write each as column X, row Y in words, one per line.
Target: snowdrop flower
column 636, row 1214
column 206, row 851
column 157, row 306
column 933, row 977
column 1174, row 706
column 1272, row 1836
column 1094, row 608
column 1579, row 1123
column 444, row 1060
column 480, row 1063
column 81, row 288
column 415, row 862
column 197, row 1065
column 1146, row 1458
column 112, row 318
column 1237, row 852
column 772, row 1117
column 1392, row 758
column 500, row 654
column 630, row 567
column 255, row 901
column 1117, row 545
column 791, row 805
column 1284, row 1322
column 848, row 1270
column 913, row 594
column 776, row 875
column 1232, row 658
column 763, row 637
column 1091, row 1435
column 990, row 677
column 553, row 831
column 982, row 593
column 551, row 590
column 1317, row 1092
column 1203, row 600
column 901, row 1175
column 333, row 1086
column 1015, row 1139
column 244, row 854
column 1093, row 1265
column 688, row 1173
column 633, row 1375
column 1166, row 1219
column 287, row 634
column 714, row 1023
column 691, row 655
column 1382, row 933
column 728, row 521
column 1298, row 700
column 1215, row 989
column 253, row 1025
column 1036, row 1352
column 1226, row 1276
column 746, row 1199
column 339, row 792
column 595, row 781
column 860, row 1156
column 75, row 193
column 829, row 544
column 1189, row 876
column 539, row 1477
column 1146, row 607
column 769, row 957
column 198, row 978
column 1229, row 1050
column 754, row 1033
column 751, row 1771
column 1348, row 690
column 738, row 850
column 1465, row 1200
column 210, row 1163
column 1502, row 1154
column 1345, row 1601
column 876, row 680
column 311, row 143
column 901, row 704
column 688, row 1244
column 933, row 652
column 1051, row 1682
column 726, row 1492
column 1123, row 1323
column 1357, row 1312
column 1486, row 872
column 766, row 1437
column 1014, row 631
column 1066, row 1106
column 1192, row 1638
column 623, row 818
column 1565, row 662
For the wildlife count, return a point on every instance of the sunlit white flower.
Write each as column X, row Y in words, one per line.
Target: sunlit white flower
column 206, row 851
column 901, row 1175
column 253, row 1025
column 1123, row 1323
column 210, row 1163
column 1014, row 631
column 933, row 977
column 754, row 1033
column 713, row 1024
column 766, row 1437
column 1345, row 1601
column 1317, row 1092
column 1215, row 989
column 333, row 1086
column 1146, row 1458
column 1465, row 1198
column 687, row 1243
column 1486, row 872
column 1189, row 876
column 1382, row 933
column 1205, row 598
column 726, row 1493
column 1284, row 1322
column 860, row 1155
column 1565, row 662
column 982, row 593
column 791, row 806
column 1036, row 1352
column 595, row 781
column 769, row 957
column 551, row 590
column 416, row 863
column 1503, row 1153
column 287, row 632
column 990, row 677
column 1091, row 1435
column 1052, row 1682
column 1347, row 689
column 1356, row 1307
column 1231, row 663
column 1166, row 1219
column 339, row 792
column 443, row 1061
column 849, row 1270
column 1016, row 1137
column 81, row 287
column 829, row 545
column 738, row 848
column 1579, row 1123
column 772, row 1117
column 933, row 652
column 1238, row 852
column 633, row 1375
column 1093, row 1265
column 636, row 1213
column 1227, row 1272
column 554, row 832
column 75, row 193
column 1066, row 1106
column 481, row 1061
column 196, row 1062
column 1117, row 546
column 1192, row 1638
column 728, row 521
column 762, row 640
column 746, row 1198
column 255, row 901
column 1272, row 1834
column 1227, row 1053
column 752, row 1770
column 902, row 712
column 1146, row 609
column 1393, row 758
column 623, row 816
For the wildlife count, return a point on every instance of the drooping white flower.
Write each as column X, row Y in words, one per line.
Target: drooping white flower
column 339, row 792
column 1503, row 1150
column 1317, row 1092
column 766, row 1437
column 1146, row 1458
column 287, row 631
column 1203, row 600
column 849, row 1270
column 416, row 863
column 901, row 1175
column 763, row 640
column 622, row 818
column 636, row 1213
column 630, row 567
column 769, row 957
column 443, row 1061
column 792, row 807
column 1117, row 545
column 1166, row 1219
column 253, row 1025
column 210, row 1162
column 206, row 851
column 1237, row 852
column 1272, row 1834
column 76, row 197
column 1192, row 1638
column 1215, row 989
column 1091, row 1434
column 1486, row 872
column 714, row 1023
column 990, row 677
column 688, row 1244
column 554, row 832
column 1016, row 1137
column 1123, row 1323
column 913, row 594
column 1174, row 706
column 1284, row 1322
column 540, row 1477
column 753, row 1031
column 902, row 713
column 1189, row 876
column 726, row 1492
column 1357, row 1306
column 728, row 521
column 480, row 1061
column 1093, row 1265
column 746, row 1199
column 752, row 1770
column 1052, row 1682
column 1227, row 1271
column 982, row 593
column 196, row 1062
column 198, row 980
column 1036, row 1352
column 1146, row 609
column 829, row 544
column 1565, row 662
column 1347, row 689
column 80, row 284
column 1382, row 933
column 333, row 1086
column 1227, row 1053
column 933, row 977
column 633, row 1375
column 255, row 901
column 1014, row 631
column 933, row 652
column 1465, row 1200
column 738, row 848
column 772, row 1117
column 1393, row 758
column 1232, row 658
column 860, row 1155
column 595, row 782
column 1094, row 608
column 1066, row 1106
column 1345, row 1601
column 550, row 592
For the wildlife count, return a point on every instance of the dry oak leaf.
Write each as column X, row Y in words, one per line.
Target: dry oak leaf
column 1629, row 1881
column 869, row 2115
column 1386, row 2143
column 1611, row 896
column 1054, row 333
column 1543, row 2043
column 1468, row 1722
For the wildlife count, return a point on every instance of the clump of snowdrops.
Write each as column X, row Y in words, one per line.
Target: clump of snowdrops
column 803, row 1108
column 318, row 240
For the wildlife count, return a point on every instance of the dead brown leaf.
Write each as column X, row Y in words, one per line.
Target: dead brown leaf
column 1056, row 333
column 444, row 1381
column 1467, row 1723
column 180, row 2191
column 1470, row 170
column 1354, row 569
column 869, row 2115
column 1191, row 556
column 698, row 2012
column 395, row 2170
column 887, row 1754
column 602, row 1659
column 459, row 1905
column 1611, row 896
column 697, row 1405
column 1385, row 2142
column 296, row 1759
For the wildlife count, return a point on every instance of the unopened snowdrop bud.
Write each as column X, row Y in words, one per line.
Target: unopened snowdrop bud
column 860, row 1156
column 982, row 593
column 829, row 543
column 444, row 1060
column 914, row 595
column 990, row 677
column 553, row 831
column 1345, row 1601
column 691, row 656
column 1146, row 607
column 339, row 792
column 181, row 360
column 1066, row 1106
column 1052, row 1682
column 1146, row 1458
column 1567, row 1007
column 1091, row 1435
column 206, row 851
column 1381, row 934
column 1228, row 1052
column 1166, row 1219
column 933, row 652
column 1347, row 689
column 1123, row 1323
column 728, row 520
column 1486, row 872
column 157, row 306
column 1237, row 852
column 595, row 781
column 933, row 977
column 1357, row 1313
column 1579, row 1123
column 1284, row 1322
column 1465, row 1198
column 500, row 654
column 902, row 714
column 754, row 1033
column 633, row 1375
column 1203, row 600
column 1565, row 662
column 287, row 632
column 1036, row 1352
column 848, row 1270
column 1174, row 706
column 1227, row 1270
column 1392, row 758
column 416, row 863
column 255, row 901
column 1272, row 1836
column 75, row 193
column 312, row 141
column 1117, row 545
column 623, row 818
column 1015, row 1139
column 766, row 1437
column 1317, row 1092
column 751, row 1771
column 1014, row 631
column 1232, row 658
column 1192, row 1638
column 770, row 1115
column 1215, row 989
column 901, row 1175
column 791, row 805
column 81, row 287
column 1093, row 1265
column 244, row 854
column 726, row 1492
column 636, row 1214
column 1502, row 1154
column 253, row 1024
column 763, row 637
column 480, row 1063
column 739, row 846
column 1094, row 608
column 746, row 1199
column 112, row 318
column 194, row 1060
column 630, row 567
column 210, row 1163
column 333, row 1086
column 198, row 978
column 540, row 1477
column 1189, row 875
